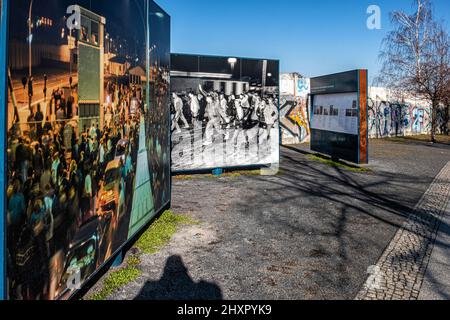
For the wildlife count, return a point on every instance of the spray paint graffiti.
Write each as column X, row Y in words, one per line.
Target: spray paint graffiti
column 294, row 117
column 390, row 119
column 419, row 120
column 387, row 116
column 294, row 120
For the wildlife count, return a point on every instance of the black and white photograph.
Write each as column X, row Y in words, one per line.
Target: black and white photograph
column 225, row 112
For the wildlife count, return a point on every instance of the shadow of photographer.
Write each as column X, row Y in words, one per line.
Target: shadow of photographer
column 176, row 284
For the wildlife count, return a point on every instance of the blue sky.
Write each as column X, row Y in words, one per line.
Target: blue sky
column 310, row 37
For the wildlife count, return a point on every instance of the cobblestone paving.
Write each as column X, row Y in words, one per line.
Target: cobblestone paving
column 400, row 272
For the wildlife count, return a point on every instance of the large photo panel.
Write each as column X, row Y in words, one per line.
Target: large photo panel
column 3, row 29
column 88, row 150
column 225, row 112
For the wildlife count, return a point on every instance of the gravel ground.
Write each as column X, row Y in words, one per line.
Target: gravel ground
column 310, row 232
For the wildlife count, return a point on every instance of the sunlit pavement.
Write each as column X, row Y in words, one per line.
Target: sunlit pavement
column 400, row 272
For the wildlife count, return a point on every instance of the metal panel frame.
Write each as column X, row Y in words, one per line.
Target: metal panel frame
column 3, row 125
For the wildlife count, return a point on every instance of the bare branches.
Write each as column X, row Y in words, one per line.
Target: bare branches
column 415, row 56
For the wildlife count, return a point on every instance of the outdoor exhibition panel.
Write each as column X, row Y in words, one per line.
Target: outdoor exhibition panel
column 3, row 24
column 225, row 112
column 88, row 137
column 339, row 116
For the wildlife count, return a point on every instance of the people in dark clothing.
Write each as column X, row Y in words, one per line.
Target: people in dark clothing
column 39, row 118
column 54, row 180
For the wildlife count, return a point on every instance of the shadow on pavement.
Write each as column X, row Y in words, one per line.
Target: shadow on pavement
column 176, row 284
column 341, row 214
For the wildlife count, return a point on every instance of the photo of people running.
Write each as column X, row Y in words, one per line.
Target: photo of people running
column 221, row 120
column 88, row 140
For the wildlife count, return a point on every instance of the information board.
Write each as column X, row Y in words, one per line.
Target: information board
column 336, row 112
column 339, row 116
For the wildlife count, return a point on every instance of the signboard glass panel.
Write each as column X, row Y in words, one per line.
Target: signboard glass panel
column 336, row 112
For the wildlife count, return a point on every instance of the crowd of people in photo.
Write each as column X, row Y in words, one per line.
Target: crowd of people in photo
column 229, row 116
column 55, row 172
column 158, row 135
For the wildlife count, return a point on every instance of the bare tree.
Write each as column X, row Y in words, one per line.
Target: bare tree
column 416, row 57
column 447, row 110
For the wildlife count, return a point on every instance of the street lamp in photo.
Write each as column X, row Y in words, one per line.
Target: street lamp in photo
column 71, row 44
column 232, row 62
column 152, row 48
column 264, row 77
column 146, row 23
column 30, row 40
column 45, row 88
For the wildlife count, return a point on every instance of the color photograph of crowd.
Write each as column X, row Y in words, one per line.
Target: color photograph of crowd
column 77, row 168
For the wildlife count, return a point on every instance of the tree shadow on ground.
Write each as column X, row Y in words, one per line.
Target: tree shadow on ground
column 414, row 141
column 348, row 216
column 176, row 284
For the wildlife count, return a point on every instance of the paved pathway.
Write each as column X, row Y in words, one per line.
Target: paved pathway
column 401, row 270
column 436, row 284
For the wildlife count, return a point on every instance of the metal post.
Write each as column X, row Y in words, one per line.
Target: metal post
column 147, row 98
column 264, row 77
column 30, row 60
column 70, row 58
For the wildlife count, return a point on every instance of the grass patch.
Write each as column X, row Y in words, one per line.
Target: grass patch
column 161, row 231
column 236, row 174
column 184, row 177
column 134, row 261
column 230, row 174
column 443, row 139
column 116, row 280
column 119, row 278
column 335, row 164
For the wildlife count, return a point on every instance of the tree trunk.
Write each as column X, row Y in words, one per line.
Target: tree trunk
column 434, row 113
column 447, row 119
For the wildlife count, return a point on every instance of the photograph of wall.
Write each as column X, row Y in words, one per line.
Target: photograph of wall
column 225, row 112
column 88, row 143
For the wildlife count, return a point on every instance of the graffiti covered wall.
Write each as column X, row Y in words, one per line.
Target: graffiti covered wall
column 294, row 115
column 388, row 117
